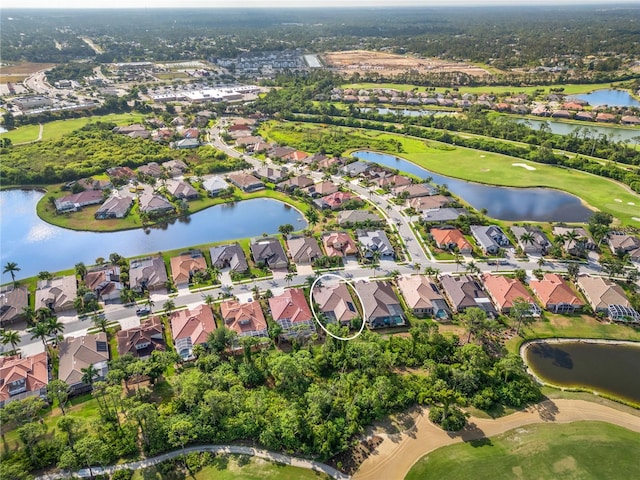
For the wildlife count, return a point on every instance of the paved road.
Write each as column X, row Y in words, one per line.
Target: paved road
column 228, row 449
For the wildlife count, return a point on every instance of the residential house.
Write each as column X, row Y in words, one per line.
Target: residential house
column 630, row 120
column 246, row 319
column 291, row 311
column 175, row 168
column 605, row 117
column 555, row 294
column 269, row 251
column 538, row 242
column 358, row 217
column 451, row 238
column 23, row 377
column 92, row 184
column 185, row 265
column 148, row 274
column 273, row 175
column 76, row 201
column 580, row 244
column 181, row 190
column 381, row 306
column 214, row 185
column 77, row 353
column 321, row 189
column 303, row 250
column 443, row 215
column 114, row 207
column 392, row 181
column 335, row 200
column 620, row 313
column 127, row 129
column 185, row 143
column 155, row 204
column 584, row 116
column 601, row 293
column 246, row 182
column 355, row 168
column 104, row 281
column 142, row 340
column 375, row 241
column 191, row 327
column 336, row 303
column 229, row 256
column 190, row 133
column 490, row 238
column 464, row 292
column 248, row 140
column 338, row 244
column 279, row 153
column 151, row 170
column 628, row 244
column 296, row 156
column 57, row 293
column 13, row 300
column 434, row 202
column 414, row 190
column 121, row 174
column 294, row 183
column 422, row 297
column 504, row 291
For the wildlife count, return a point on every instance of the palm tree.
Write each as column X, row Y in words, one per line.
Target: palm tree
column 169, row 306
column 312, row 216
column 55, row 328
column 11, row 268
column 458, row 260
column 89, row 374
column 541, row 262
column 43, row 314
column 208, row 299
column 472, row 267
column 100, row 322
column 395, row 274
column 40, row 331
column 527, row 238
column 10, row 336
column 431, row 272
column 81, row 270
column 45, row 275
column 375, row 261
column 29, row 314
column 288, row 278
column 215, row 274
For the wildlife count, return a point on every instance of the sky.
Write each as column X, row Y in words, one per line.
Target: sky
column 60, row 4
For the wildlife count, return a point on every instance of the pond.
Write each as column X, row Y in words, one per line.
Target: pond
column 503, row 203
column 610, row 97
column 563, row 128
column 36, row 245
column 600, row 367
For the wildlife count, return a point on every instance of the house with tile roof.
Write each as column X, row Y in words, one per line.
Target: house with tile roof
column 464, row 291
column 114, row 207
column 185, row 265
column 335, row 201
column 76, row 353
column 490, row 238
column 381, row 306
column 191, row 327
column 269, row 251
column 451, row 238
column 602, row 293
column 628, row 244
column 246, row 319
column 152, row 203
column 151, row 169
column 293, row 183
column 375, row 241
column 104, row 281
column 504, row 291
column 303, row 250
column 338, row 244
column 57, row 293
column 23, row 377
column 13, row 300
column 539, row 244
column 229, row 256
column 443, row 215
column 433, row 202
column 291, row 311
column 148, row 274
column 181, row 190
column 336, row 303
column 214, row 185
column 321, row 189
column 246, row 182
column 270, row 174
column 414, row 190
column 555, row 294
column 580, row 245
column 140, row 341
column 422, row 297
column 76, row 201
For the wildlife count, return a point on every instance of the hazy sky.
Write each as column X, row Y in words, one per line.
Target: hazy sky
column 48, row 4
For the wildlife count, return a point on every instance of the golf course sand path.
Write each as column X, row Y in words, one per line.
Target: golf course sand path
column 395, row 456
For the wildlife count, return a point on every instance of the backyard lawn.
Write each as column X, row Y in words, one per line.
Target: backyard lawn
column 584, row 450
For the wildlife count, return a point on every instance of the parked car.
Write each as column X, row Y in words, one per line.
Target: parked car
column 141, row 311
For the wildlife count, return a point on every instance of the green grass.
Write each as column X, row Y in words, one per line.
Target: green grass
column 580, row 450
column 236, row 467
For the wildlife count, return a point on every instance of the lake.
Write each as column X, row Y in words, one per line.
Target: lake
column 36, row 245
column 610, row 369
column 564, row 128
column 610, row 97
column 503, row 203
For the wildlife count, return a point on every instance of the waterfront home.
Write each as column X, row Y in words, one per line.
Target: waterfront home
column 504, row 291
column 270, row 174
column 104, row 281
column 13, row 301
column 321, row 189
column 229, row 256
column 142, row 340
column 335, row 200
column 151, row 169
column 294, row 183
column 57, row 293
column 628, row 244
column 76, row 201
column 414, row 190
column 268, row 251
column 148, row 274
column 630, row 120
column 185, row 265
column 451, row 238
column 433, row 202
column 291, row 311
column 375, row 241
column 357, row 217
column 338, row 244
column 191, row 327
column 181, row 190
column 214, row 185
column 336, row 303
column 422, row 297
column 77, row 353
column 584, row 116
column 381, row 306
column 463, row 292
column 578, row 245
column 531, row 240
column 245, row 182
column 490, row 238
column 443, row 215
column 605, row 117
column 114, row 207
column 601, row 293
column 392, row 181
column 152, row 203
column 303, row 250
column 246, row 319
column 23, row 377
column 355, row 168
column 555, row 294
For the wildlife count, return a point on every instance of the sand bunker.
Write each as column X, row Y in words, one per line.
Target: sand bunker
column 523, row 165
column 617, row 200
column 637, row 219
column 630, row 203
